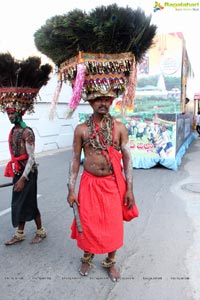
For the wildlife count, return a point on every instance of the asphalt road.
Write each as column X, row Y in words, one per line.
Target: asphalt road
column 159, row 259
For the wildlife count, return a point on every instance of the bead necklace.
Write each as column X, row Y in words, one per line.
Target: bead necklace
column 100, row 137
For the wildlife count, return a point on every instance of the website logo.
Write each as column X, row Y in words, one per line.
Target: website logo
column 157, row 6
column 179, row 6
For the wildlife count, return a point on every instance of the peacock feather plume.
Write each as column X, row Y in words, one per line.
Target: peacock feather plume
column 20, row 81
column 25, row 73
column 106, row 29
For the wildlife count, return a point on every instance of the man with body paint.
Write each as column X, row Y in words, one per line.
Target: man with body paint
column 104, row 141
column 22, row 167
column 20, row 82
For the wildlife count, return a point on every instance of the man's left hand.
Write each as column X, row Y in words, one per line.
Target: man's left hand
column 129, row 199
column 19, row 185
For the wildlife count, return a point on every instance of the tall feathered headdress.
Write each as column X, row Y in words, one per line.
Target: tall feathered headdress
column 97, row 51
column 20, row 81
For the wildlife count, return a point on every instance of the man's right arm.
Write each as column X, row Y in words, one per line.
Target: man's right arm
column 74, row 165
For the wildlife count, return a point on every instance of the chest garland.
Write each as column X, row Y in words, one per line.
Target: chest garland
column 100, row 137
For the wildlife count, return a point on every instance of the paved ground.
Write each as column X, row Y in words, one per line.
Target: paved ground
column 160, row 259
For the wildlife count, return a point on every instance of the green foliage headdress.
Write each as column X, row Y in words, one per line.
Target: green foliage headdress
column 97, row 51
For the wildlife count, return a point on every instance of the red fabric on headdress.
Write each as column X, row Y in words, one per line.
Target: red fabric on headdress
column 10, row 109
column 13, row 110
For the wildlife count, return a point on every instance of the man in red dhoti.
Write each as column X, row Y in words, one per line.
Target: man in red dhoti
column 100, row 198
column 100, row 62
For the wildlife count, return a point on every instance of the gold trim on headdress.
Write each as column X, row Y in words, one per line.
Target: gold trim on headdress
column 20, row 98
column 105, row 74
column 102, row 59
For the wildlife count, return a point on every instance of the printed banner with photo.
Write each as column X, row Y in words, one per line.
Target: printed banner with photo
column 156, row 123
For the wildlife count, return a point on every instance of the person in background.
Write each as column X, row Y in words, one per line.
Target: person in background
column 198, row 123
column 20, row 82
column 23, row 169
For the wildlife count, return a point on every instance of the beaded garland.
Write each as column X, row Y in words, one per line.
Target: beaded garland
column 98, row 67
column 22, row 99
column 100, row 136
column 105, row 74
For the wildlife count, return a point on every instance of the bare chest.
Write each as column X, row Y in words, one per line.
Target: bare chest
column 17, row 142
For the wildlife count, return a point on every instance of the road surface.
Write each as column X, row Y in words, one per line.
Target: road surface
column 159, row 260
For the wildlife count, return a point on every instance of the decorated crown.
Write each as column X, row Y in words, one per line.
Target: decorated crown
column 104, row 74
column 20, row 82
column 97, row 52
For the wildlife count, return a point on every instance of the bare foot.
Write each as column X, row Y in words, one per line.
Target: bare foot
column 84, row 269
column 37, row 239
column 39, row 236
column 86, row 263
column 113, row 273
column 14, row 240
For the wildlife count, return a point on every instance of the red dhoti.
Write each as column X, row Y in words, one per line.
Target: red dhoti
column 100, row 214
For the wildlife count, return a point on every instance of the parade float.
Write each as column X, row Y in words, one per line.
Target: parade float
column 160, row 128
column 159, row 125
